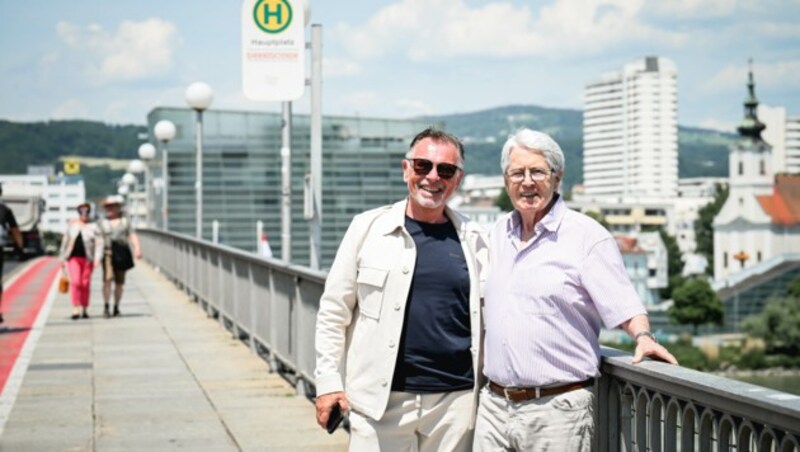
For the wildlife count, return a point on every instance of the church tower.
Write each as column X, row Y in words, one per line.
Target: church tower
column 750, row 176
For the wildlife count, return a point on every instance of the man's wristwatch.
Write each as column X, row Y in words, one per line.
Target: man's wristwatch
column 645, row 333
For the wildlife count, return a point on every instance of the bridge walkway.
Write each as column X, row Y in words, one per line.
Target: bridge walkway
column 162, row 376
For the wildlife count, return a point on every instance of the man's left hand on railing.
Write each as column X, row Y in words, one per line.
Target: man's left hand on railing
column 647, row 346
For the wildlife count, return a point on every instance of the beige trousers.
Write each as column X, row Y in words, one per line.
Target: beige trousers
column 560, row 423
column 416, row 422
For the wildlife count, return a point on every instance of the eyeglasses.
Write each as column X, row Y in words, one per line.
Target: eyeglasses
column 536, row 174
column 424, row 166
column 84, row 211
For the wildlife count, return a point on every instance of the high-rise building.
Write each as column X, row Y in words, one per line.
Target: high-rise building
column 361, row 165
column 630, row 131
column 782, row 132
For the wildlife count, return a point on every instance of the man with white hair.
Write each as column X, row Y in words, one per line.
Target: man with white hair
column 555, row 275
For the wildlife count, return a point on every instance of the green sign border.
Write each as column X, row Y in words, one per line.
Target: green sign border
column 258, row 23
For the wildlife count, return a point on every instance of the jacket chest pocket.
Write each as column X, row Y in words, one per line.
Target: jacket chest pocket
column 371, row 284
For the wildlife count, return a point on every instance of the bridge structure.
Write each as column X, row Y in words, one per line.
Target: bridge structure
column 214, row 351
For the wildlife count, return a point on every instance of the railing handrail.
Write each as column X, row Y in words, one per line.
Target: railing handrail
column 711, row 391
column 273, row 305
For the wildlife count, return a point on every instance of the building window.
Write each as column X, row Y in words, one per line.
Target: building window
column 762, row 168
column 741, row 168
column 758, row 256
column 725, row 260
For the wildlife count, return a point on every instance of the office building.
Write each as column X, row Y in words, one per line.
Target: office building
column 630, row 131
column 361, row 164
column 782, row 132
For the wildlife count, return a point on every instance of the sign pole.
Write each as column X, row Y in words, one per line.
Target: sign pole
column 316, row 146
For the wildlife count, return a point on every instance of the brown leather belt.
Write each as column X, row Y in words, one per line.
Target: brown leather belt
column 523, row 394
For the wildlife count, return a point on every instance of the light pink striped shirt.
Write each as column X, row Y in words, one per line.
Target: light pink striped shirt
column 544, row 303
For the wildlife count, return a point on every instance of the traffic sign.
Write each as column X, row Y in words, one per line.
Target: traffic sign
column 273, row 50
column 72, row 166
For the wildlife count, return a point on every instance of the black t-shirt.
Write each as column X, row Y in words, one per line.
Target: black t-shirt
column 79, row 249
column 7, row 219
column 434, row 353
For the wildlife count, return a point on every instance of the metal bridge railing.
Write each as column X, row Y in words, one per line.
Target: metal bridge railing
column 648, row 407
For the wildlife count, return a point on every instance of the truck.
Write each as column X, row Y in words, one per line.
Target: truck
column 28, row 211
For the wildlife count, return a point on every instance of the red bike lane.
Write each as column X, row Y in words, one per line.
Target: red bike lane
column 22, row 301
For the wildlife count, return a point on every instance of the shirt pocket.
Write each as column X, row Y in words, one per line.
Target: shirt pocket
column 371, row 283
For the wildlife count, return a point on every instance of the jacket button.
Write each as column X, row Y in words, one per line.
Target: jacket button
column 405, row 269
column 391, row 344
column 384, row 382
column 397, row 307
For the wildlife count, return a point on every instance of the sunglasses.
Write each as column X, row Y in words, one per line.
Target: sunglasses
column 84, row 211
column 424, row 166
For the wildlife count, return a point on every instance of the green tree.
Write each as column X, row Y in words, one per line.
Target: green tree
column 599, row 217
column 704, row 229
column 794, row 287
column 695, row 303
column 675, row 262
column 503, row 201
column 778, row 325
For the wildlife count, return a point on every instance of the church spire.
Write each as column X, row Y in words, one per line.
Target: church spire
column 751, row 127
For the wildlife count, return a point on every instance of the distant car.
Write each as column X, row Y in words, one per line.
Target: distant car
column 27, row 211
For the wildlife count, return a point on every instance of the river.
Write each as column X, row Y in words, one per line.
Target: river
column 785, row 383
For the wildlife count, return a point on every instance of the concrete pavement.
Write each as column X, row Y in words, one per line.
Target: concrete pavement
column 163, row 376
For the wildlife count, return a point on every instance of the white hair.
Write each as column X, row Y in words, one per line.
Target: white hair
column 534, row 141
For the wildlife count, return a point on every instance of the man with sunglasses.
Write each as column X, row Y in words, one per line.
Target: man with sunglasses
column 556, row 277
column 401, row 308
column 8, row 227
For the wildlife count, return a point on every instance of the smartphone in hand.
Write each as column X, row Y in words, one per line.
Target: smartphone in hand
column 335, row 418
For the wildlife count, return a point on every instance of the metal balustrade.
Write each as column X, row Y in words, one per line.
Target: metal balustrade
column 651, row 406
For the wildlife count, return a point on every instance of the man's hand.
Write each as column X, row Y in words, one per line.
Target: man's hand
column 326, row 402
column 646, row 346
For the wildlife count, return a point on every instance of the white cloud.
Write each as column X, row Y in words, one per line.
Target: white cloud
column 135, row 51
column 70, row 109
column 775, row 75
column 337, row 67
column 428, row 29
column 695, row 8
column 411, row 107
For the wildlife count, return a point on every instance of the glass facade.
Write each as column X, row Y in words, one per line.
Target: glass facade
column 242, row 178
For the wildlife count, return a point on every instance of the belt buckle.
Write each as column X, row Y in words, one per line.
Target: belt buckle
column 509, row 388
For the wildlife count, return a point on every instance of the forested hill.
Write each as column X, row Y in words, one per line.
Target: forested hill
column 42, row 143
column 701, row 152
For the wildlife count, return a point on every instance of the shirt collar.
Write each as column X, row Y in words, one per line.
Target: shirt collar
column 551, row 221
column 397, row 219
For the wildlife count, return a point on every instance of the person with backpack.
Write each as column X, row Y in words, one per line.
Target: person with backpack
column 8, row 227
column 119, row 237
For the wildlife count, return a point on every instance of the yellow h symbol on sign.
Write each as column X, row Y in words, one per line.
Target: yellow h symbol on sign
column 272, row 16
column 72, row 166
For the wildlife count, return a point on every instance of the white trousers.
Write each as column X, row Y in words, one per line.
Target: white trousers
column 560, row 423
column 416, row 422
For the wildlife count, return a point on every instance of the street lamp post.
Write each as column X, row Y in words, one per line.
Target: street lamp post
column 164, row 131
column 199, row 97
column 135, row 167
column 147, row 152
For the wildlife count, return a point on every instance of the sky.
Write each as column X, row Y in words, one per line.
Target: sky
column 116, row 61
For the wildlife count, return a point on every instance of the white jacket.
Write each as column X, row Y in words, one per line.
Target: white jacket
column 92, row 241
column 362, row 308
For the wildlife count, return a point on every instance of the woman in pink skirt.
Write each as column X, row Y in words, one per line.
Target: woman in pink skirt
column 81, row 251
